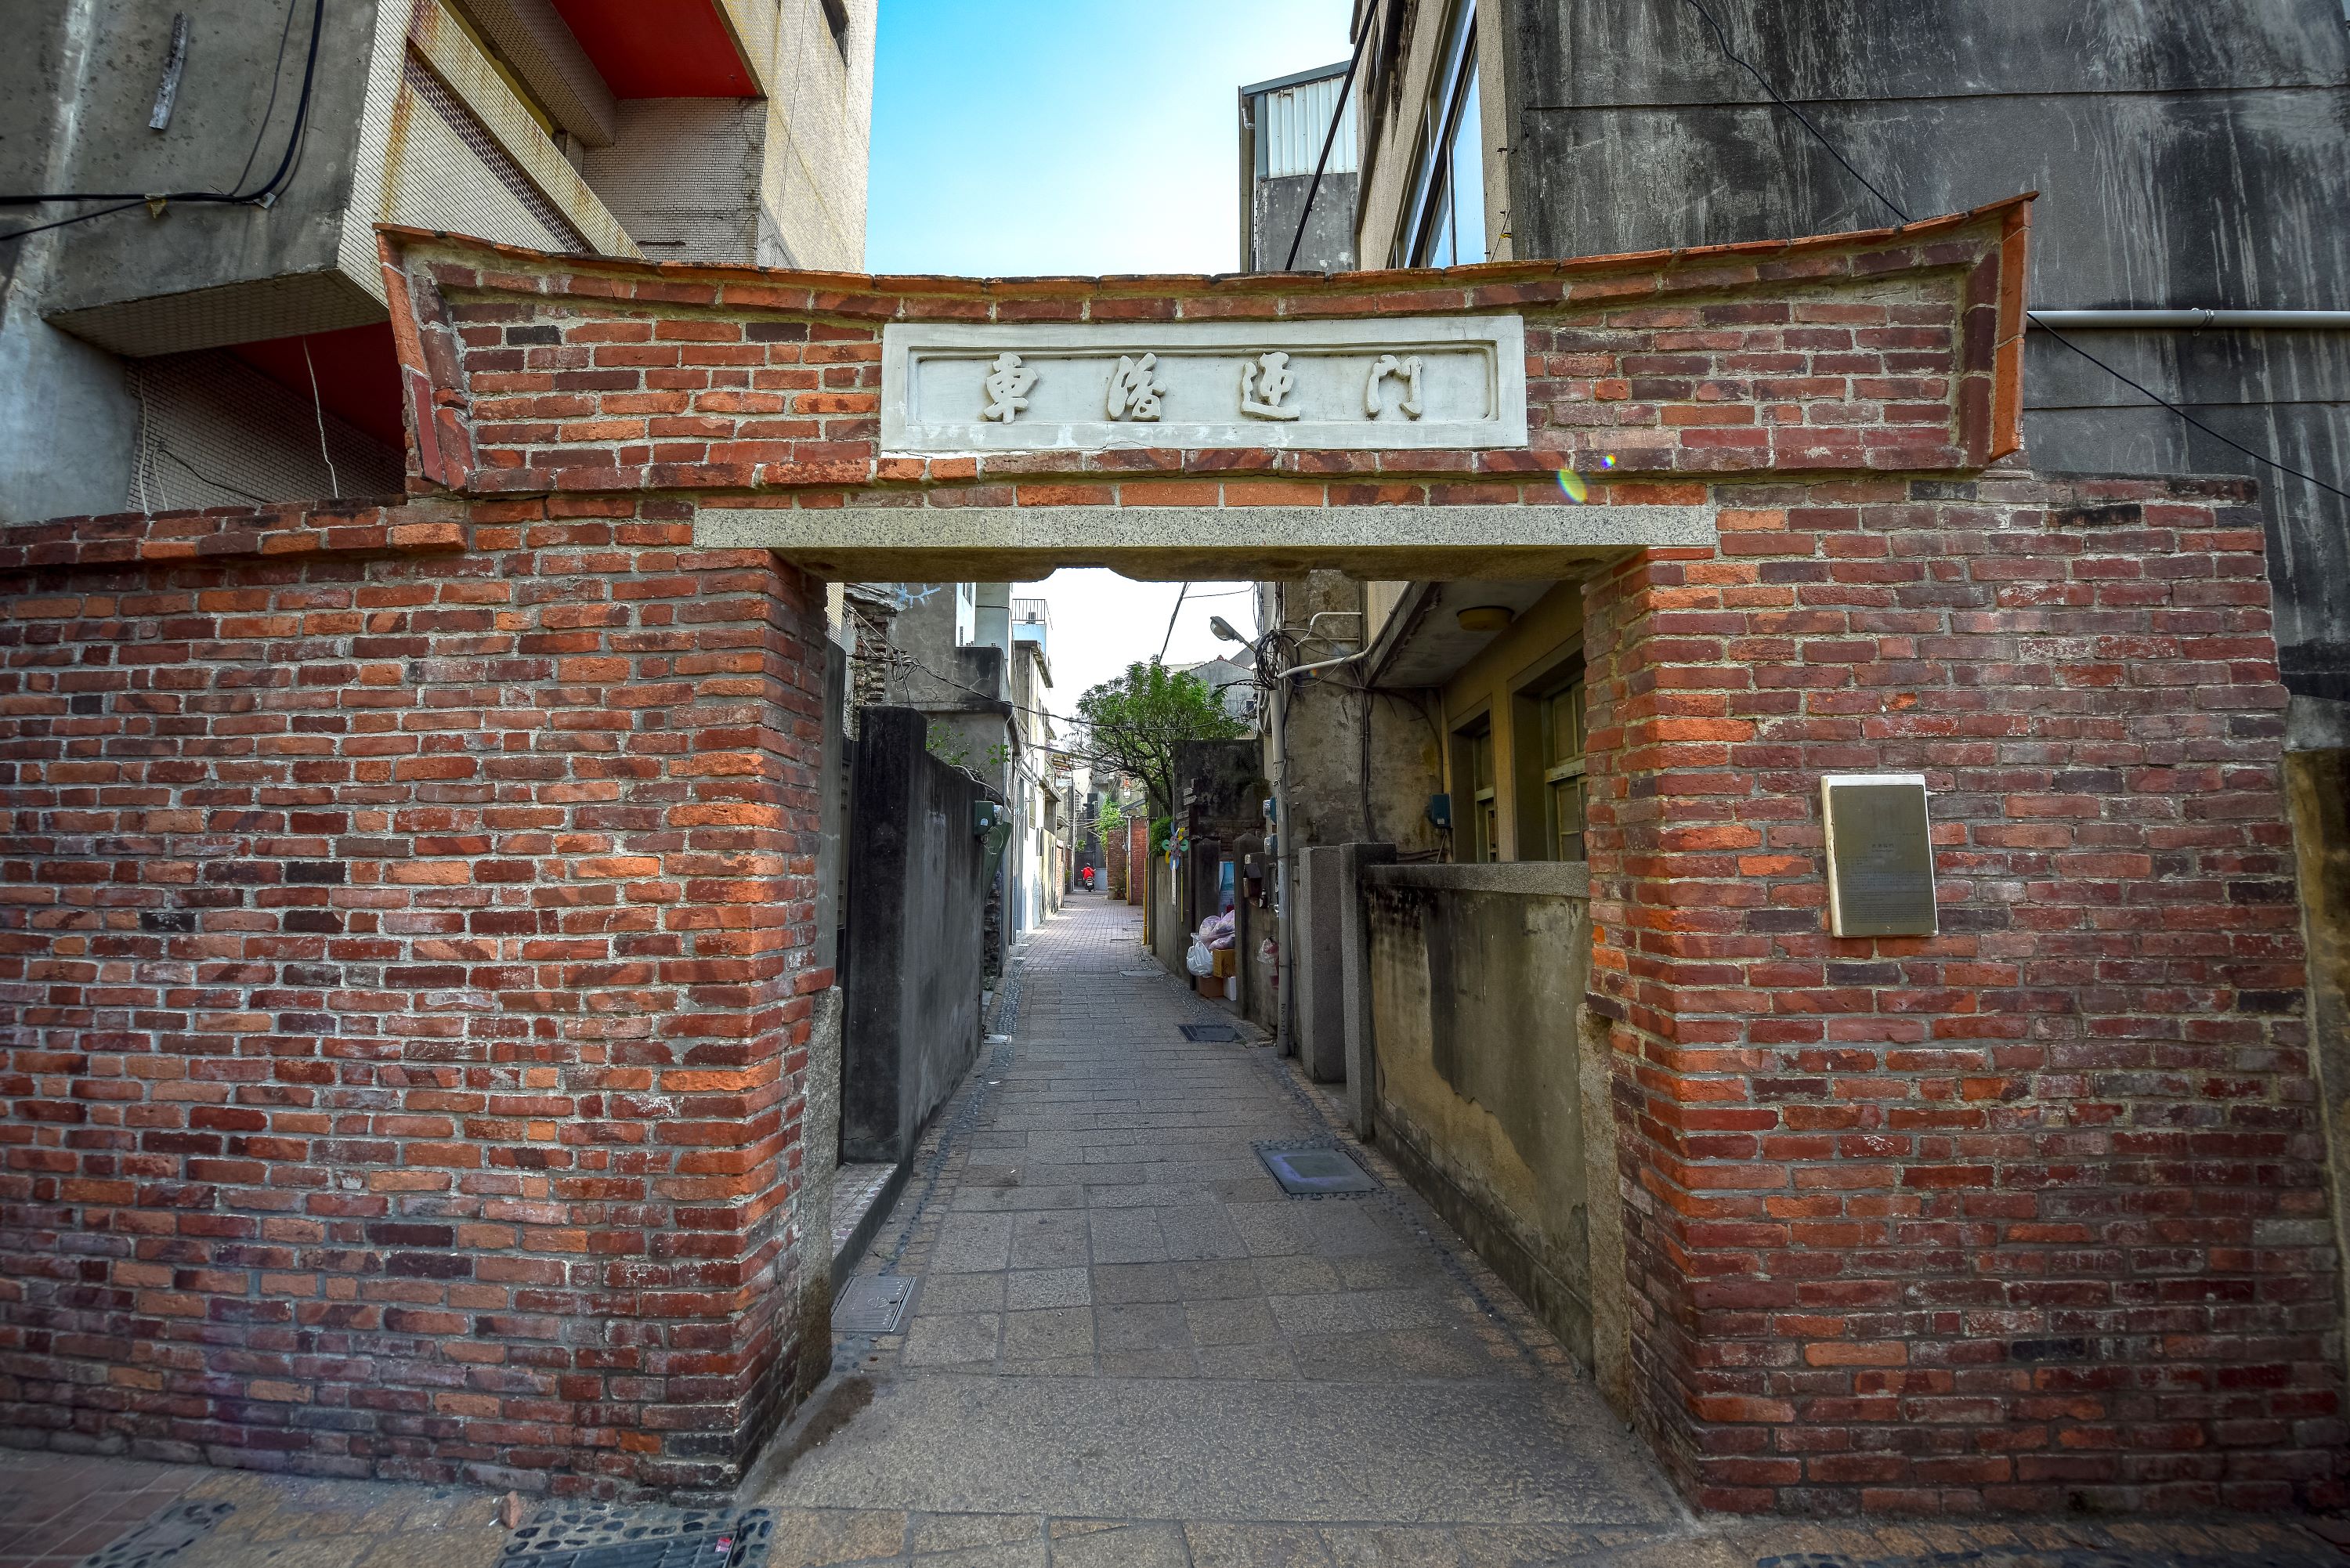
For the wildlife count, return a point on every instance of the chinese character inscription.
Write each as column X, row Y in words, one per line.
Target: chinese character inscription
column 1008, row 383
column 1135, row 389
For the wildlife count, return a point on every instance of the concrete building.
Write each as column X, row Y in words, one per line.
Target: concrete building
column 1036, row 794
column 1283, row 130
column 207, row 349
column 2190, row 156
column 1233, row 679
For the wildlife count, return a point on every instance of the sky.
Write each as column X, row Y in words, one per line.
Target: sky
column 1079, row 136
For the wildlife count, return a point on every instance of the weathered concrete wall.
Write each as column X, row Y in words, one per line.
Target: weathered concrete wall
column 2317, row 786
column 2187, row 152
column 1328, row 245
column 1317, row 964
column 227, row 84
column 916, row 948
column 1477, row 974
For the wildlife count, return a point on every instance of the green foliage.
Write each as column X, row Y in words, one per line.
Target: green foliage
column 947, row 746
column 1135, row 723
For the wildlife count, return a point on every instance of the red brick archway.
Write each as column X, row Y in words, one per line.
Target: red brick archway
column 409, row 935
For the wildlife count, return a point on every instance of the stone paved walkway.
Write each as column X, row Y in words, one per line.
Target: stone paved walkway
column 1128, row 1348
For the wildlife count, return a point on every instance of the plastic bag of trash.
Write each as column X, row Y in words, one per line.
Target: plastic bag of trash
column 1198, row 959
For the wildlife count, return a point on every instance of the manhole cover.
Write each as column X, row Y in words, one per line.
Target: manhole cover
column 163, row 1537
column 1221, row 1034
column 603, row 1535
column 873, row 1304
column 1314, row 1170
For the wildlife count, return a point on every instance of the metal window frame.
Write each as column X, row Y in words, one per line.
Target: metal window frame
column 1440, row 124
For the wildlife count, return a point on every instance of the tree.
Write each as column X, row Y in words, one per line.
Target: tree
column 1134, row 725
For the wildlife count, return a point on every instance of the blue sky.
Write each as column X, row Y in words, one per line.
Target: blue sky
column 1072, row 136
column 1079, row 136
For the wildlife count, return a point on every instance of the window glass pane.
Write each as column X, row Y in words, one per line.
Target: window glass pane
column 1465, row 183
column 1567, row 819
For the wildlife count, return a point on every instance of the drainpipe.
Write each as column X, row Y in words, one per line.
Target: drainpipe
column 2192, row 320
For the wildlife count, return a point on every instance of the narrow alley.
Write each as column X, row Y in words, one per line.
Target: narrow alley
column 1121, row 1316
column 1126, row 1344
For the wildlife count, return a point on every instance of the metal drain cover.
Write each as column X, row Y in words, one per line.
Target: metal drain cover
column 873, row 1304
column 603, row 1535
column 1314, row 1170
column 162, row 1538
column 1221, row 1033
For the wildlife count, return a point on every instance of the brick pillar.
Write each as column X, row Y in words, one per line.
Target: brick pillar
column 408, row 956
column 1114, row 844
column 1137, row 856
column 2030, row 1214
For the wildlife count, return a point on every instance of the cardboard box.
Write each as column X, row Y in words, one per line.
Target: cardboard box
column 1209, row 986
column 1226, row 964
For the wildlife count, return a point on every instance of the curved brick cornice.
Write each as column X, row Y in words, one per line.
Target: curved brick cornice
column 1892, row 350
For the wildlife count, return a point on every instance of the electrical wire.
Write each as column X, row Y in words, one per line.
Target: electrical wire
column 2260, row 457
column 1330, row 140
column 236, row 195
column 1721, row 40
column 1168, row 640
column 319, row 408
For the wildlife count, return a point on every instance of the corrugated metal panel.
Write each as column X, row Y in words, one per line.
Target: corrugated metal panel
column 1291, row 122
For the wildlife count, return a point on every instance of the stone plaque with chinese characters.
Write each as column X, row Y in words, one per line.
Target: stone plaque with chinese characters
column 1880, row 855
column 1406, row 381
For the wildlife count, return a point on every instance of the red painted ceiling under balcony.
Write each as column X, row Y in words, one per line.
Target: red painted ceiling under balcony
column 660, row 48
column 358, row 372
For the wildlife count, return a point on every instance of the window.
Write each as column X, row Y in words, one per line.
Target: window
column 1562, row 760
column 1546, row 762
column 1444, row 202
column 1476, row 804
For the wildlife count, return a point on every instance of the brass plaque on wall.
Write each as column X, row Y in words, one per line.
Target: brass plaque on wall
column 1880, row 855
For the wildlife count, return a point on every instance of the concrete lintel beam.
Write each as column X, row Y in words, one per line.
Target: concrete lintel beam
column 965, row 544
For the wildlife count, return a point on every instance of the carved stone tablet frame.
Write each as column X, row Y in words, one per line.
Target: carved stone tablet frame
column 1467, row 384
column 1880, row 853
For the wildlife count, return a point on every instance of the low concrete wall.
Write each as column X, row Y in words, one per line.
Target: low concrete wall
column 1477, row 978
column 915, row 943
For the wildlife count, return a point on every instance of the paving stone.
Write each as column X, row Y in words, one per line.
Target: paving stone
column 1125, row 1349
column 1048, row 1288
column 1052, row 1332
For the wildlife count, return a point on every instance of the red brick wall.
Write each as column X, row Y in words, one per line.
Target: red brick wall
column 1137, row 859
column 407, row 918
column 1114, row 842
column 405, row 935
column 2030, row 1214
column 1896, row 351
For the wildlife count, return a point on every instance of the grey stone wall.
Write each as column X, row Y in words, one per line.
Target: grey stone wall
column 914, row 953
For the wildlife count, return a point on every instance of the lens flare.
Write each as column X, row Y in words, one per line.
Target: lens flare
column 1573, row 485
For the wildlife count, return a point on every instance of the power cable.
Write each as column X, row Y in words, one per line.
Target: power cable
column 1721, row 40
column 333, row 484
column 1328, row 140
column 263, row 195
column 1168, row 640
